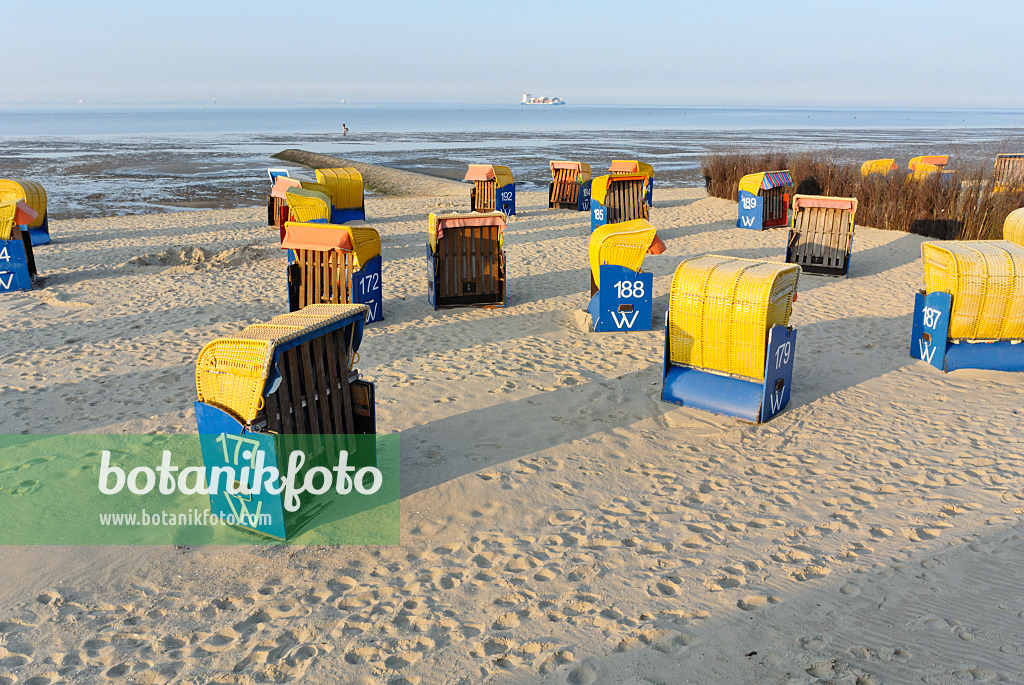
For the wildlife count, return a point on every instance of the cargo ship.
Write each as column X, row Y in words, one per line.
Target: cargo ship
column 530, row 100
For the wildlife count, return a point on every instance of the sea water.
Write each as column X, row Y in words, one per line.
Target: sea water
column 98, row 161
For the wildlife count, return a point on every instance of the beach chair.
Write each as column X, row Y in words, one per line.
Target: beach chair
column 308, row 206
column 570, row 186
column 334, row 264
column 729, row 348
column 620, row 293
column 493, row 190
column 618, row 198
column 1013, row 227
column 465, row 260
column 971, row 313
column 821, row 237
column 278, row 211
column 292, row 376
column 939, row 161
column 878, row 166
column 35, row 197
column 623, row 167
column 764, row 200
column 927, row 166
column 344, row 187
column 17, row 262
column 1008, row 172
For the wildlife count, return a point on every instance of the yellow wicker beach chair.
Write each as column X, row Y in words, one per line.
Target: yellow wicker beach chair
column 1013, row 227
column 237, row 373
column 308, row 205
column 971, row 312
column 927, row 166
column 722, row 309
column 17, row 261
column 728, row 345
column 292, row 376
column 35, row 197
column 620, row 293
column 7, row 209
column 624, row 245
column 763, row 200
column 986, row 281
column 878, row 166
column 345, row 186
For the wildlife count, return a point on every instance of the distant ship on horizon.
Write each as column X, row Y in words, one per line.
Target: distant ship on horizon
column 530, row 100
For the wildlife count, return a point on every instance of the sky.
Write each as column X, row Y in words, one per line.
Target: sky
column 894, row 53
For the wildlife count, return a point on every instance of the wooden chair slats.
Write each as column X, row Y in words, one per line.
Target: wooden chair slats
column 820, row 240
column 320, row 277
column 470, row 267
column 316, row 395
column 625, row 201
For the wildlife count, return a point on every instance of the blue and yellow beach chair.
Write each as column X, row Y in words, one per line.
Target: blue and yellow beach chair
column 34, row 195
column 494, row 189
column 971, row 313
column 729, row 348
column 620, row 293
column 764, row 200
column 291, row 376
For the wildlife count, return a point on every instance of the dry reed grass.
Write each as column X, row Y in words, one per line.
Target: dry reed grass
column 962, row 205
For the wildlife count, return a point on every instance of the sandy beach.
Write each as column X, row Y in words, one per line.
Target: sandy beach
column 559, row 522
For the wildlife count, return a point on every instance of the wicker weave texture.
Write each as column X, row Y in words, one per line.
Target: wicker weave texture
column 721, row 309
column 878, row 166
column 623, row 244
column 308, row 205
column 7, row 210
column 232, row 372
column 31, row 192
column 345, row 184
column 1013, row 227
column 986, row 280
column 318, row 187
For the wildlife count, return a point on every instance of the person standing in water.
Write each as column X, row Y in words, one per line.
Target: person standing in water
column 344, row 130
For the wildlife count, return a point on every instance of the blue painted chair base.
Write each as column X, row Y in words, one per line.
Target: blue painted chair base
column 741, row 398
column 342, row 216
column 929, row 341
column 215, row 425
column 39, row 236
column 220, row 434
column 14, row 269
column 624, row 301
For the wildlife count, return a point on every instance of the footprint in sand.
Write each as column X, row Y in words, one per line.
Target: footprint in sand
column 26, row 487
column 755, row 602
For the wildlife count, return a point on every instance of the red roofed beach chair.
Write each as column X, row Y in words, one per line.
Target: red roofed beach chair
column 821, row 237
column 465, row 260
column 494, row 190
